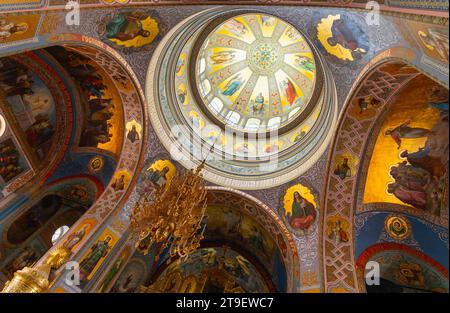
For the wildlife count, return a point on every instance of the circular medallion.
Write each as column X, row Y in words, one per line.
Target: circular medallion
column 397, row 227
column 264, row 57
column 96, row 164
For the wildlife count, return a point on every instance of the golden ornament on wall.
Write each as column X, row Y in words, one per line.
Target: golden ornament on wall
column 397, row 227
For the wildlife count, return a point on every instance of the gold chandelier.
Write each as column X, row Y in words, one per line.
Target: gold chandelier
column 171, row 217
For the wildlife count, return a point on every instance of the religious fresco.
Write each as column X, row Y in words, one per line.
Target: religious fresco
column 96, row 164
column 114, row 270
column 78, row 234
column 25, row 257
column 432, row 39
column 343, row 37
column 412, row 271
column 12, row 162
column 235, row 227
column 132, row 29
column 337, row 229
column 385, row 228
column 31, row 103
column 397, row 227
column 158, row 175
column 222, row 267
column 299, row 208
column 18, row 27
column 37, row 216
column 409, row 163
column 103, row 124
column 131, row 278
column 345, row 165
column 121, row 180
column 95, row 256
column 133, row 131
column 258, row 71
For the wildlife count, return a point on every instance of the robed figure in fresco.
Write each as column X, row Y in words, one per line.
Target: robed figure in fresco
column 349, row 35
column 303, row 213
column 126, row 26
column 305, row 63
column 233, row 86
column 98, row 251
column 405, row 131
column 289, row 91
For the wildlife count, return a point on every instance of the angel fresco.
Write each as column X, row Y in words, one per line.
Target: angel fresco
column 405, row 131
column 223, row 57
column 233, row 86
column 420, row 180
column 349, row 35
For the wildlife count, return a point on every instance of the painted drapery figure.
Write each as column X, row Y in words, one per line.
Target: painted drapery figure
column 303, row 213
column 98, row 251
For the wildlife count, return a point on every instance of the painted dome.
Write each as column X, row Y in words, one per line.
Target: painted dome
column 248, row 90
column 255, row 72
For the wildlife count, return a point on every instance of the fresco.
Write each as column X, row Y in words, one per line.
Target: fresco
column 38, row 215
column 133, row 131
column 345, row 165
column 18, row 27
column 96, row 164
column 103, row 124
column 244, row 274
column 78, row 234
column 27, row 256
column 432, row 39
column 131, row 278
column 95, row 256
column 114, row 270
column 254, row 68
column 338, row 229
column 397, row 227
column 409, row 164
column 132, row 29
column 410, row 271
column 32, row 104
column 158, row 175
column 343, row 37
column 12, row 162
column 299, row 208
column 232, row 226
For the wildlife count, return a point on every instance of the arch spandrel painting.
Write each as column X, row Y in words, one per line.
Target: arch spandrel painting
column 409, row 164
column 343, row 37
column 131, row 29
column 299, row 208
